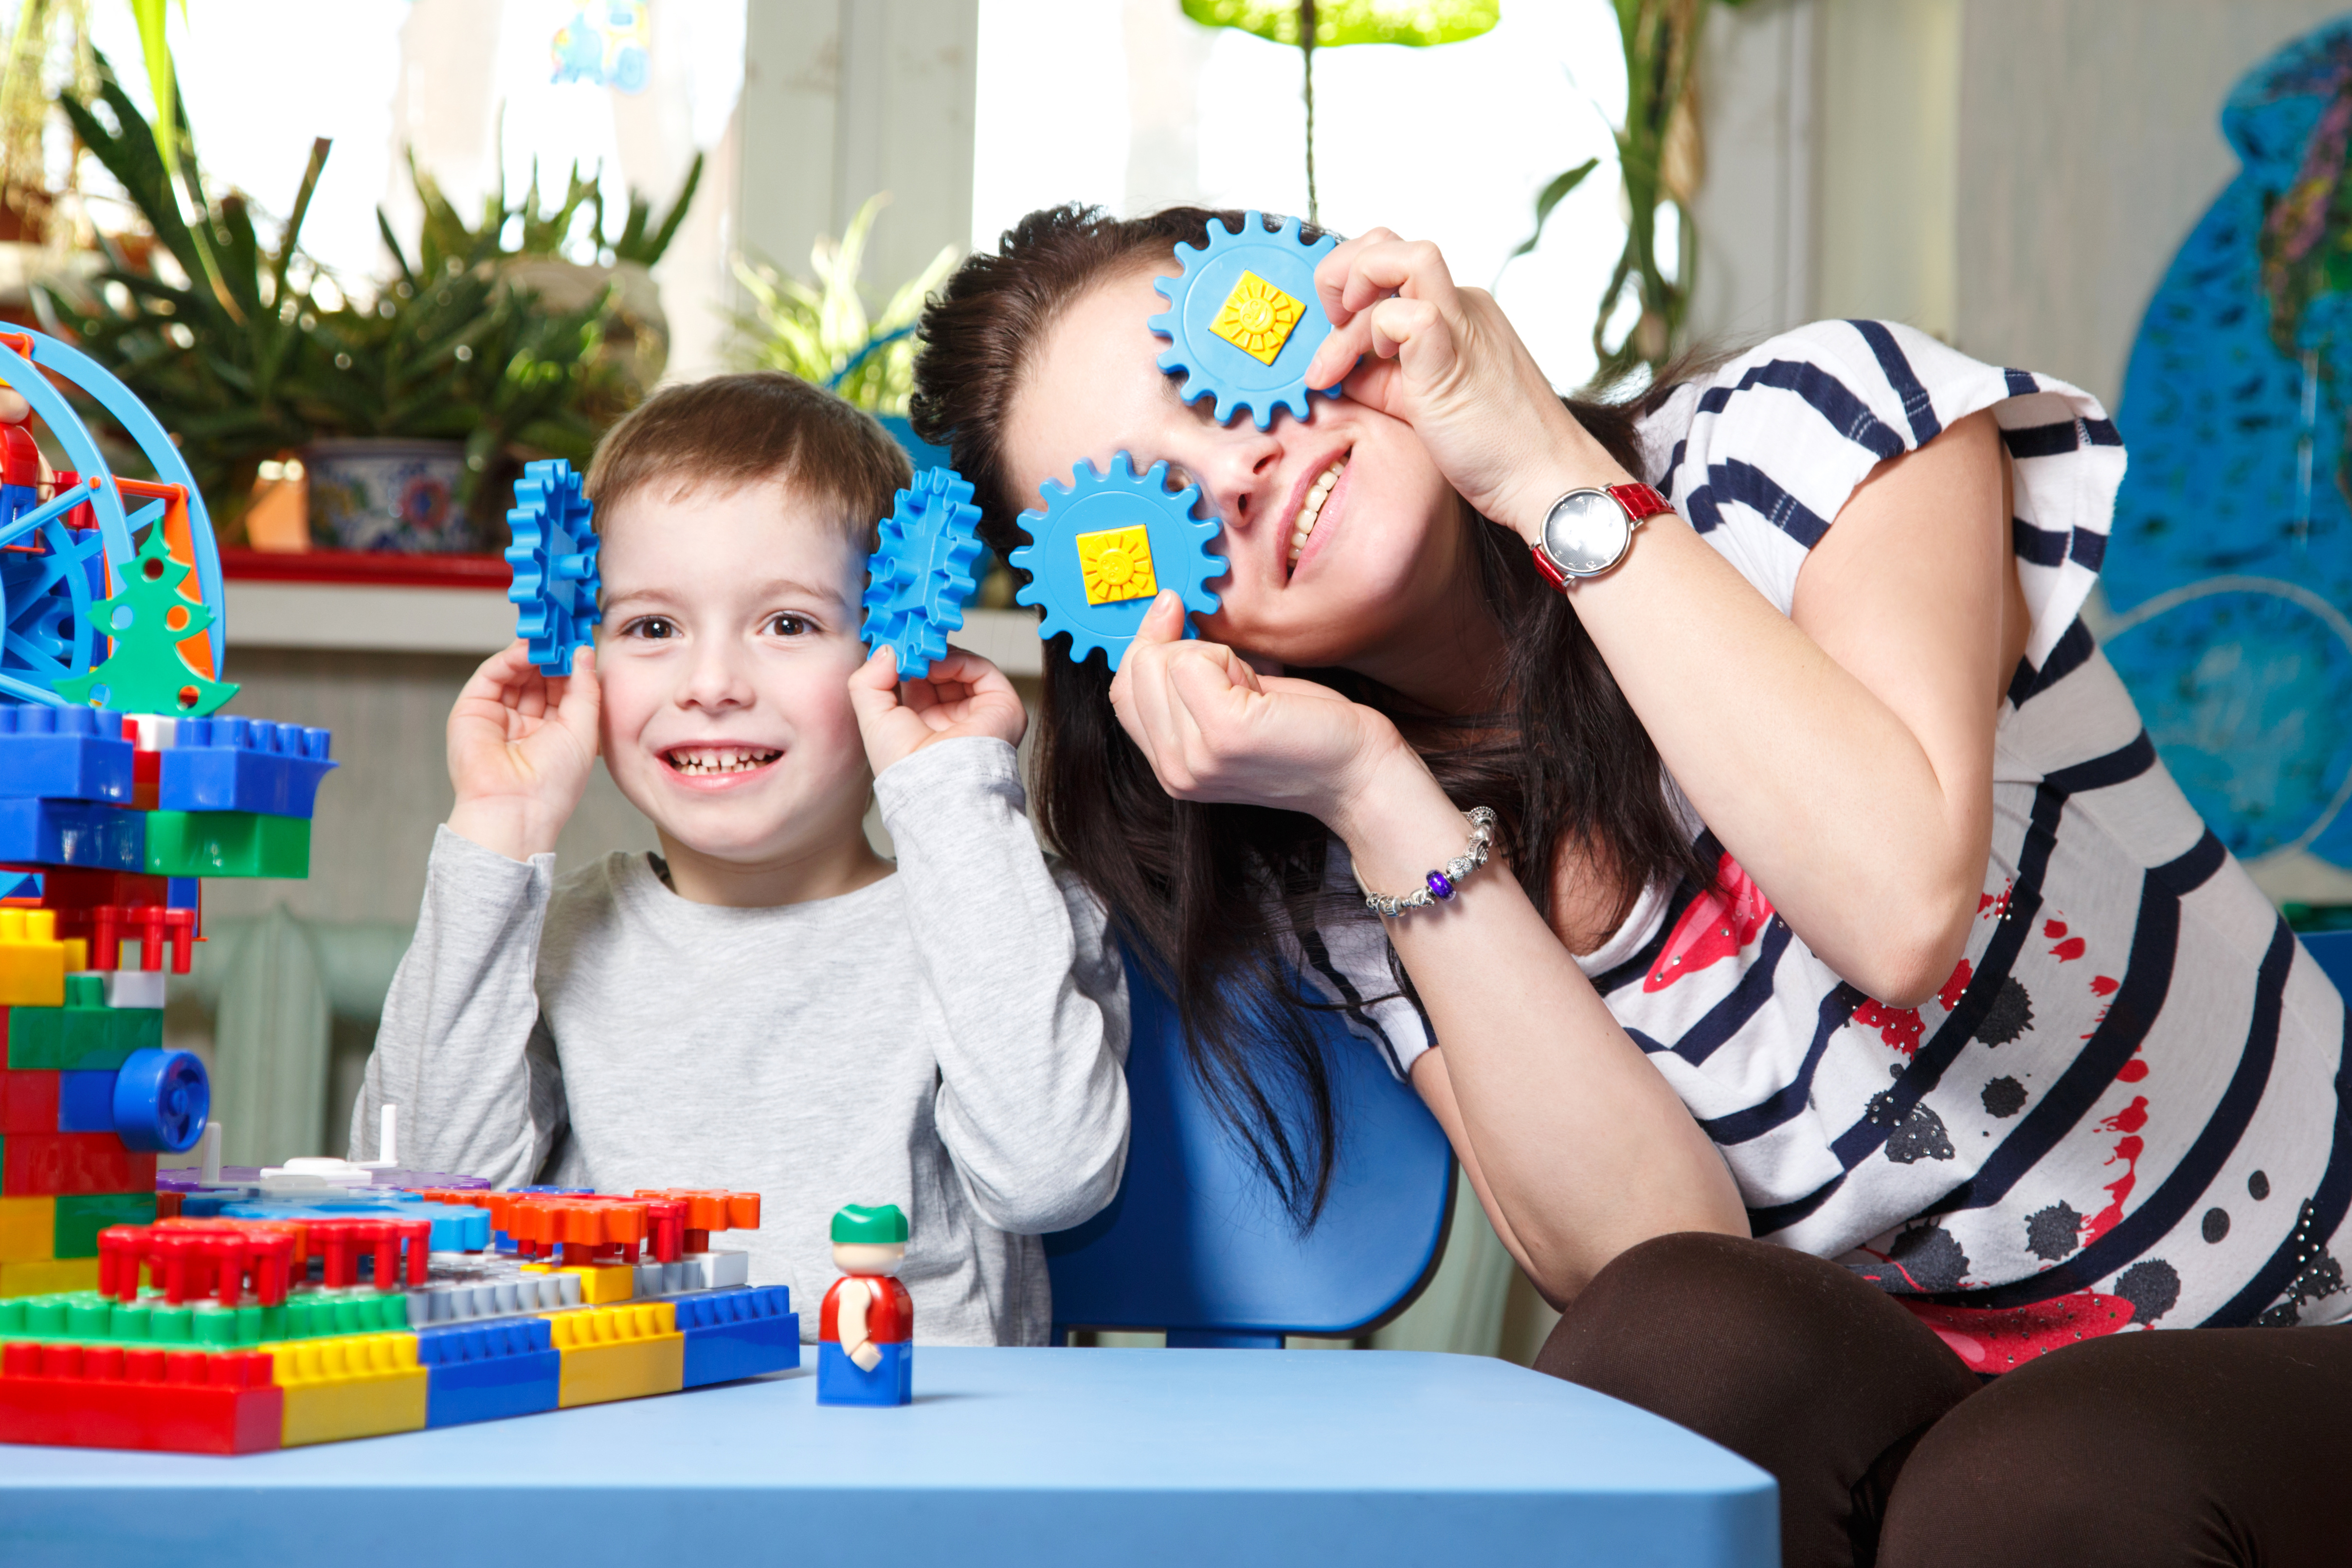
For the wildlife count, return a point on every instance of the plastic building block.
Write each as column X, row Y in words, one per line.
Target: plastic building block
column 841, row 1381
column 64, row 754
column 363, row 1386
column 72, row 834
column 85, row 1104
column 33, row 962
column 738, row 1334
column 718, row 1270
column 601, row 1284
column 484, row 1372
column 29, row 1102
column 708, row 1209
column 554, row 560
column 1242, row 319
column 107, row 1396
column 160, row 1100
column 104, row 908
column 241, row 765
column 148, row 617
column 1105, row 545
column 28, row 1230
column 918, row 580
column 226, row 843
column 619, row 1353
column 81, row 1215
column 136, row 987
column 83, row 1036
column 37, row 1165
column 41, row 1277
column 450, row 1227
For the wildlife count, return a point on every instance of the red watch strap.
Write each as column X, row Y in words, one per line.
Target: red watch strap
column 1552, row 573
column 1640, row 501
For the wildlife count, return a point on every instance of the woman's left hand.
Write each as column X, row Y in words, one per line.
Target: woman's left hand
column 1447, row 362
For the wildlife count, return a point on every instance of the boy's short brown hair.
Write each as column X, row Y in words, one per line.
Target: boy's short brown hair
column 743, row 429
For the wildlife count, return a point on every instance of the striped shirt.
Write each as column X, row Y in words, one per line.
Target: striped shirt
column 2122, row 1109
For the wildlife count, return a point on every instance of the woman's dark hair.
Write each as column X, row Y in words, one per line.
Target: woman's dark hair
column 1202, row 893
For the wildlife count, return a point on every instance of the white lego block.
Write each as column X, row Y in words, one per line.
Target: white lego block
column 717, row 1270
column 133, row 988
column 647, row 1281
column 151, row 732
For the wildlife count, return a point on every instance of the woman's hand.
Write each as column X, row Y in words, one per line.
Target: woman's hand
column 1215, row 729
column 521, row 745
column 964, row 695
column 1446, row 361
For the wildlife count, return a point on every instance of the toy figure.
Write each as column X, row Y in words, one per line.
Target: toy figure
column 865, row 1353
column 20, row 471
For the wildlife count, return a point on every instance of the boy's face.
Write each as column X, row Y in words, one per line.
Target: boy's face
column 729, row 632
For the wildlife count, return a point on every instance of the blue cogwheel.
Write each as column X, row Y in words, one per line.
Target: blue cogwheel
column 1242, row 319
column 918, row 578
column 1105, row 546
column 553, row 557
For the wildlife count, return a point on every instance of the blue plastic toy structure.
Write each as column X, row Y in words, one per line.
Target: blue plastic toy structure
column 160, row 1101
column 554, row 560
column 918, row 578
column 1242, row 319
column 1105, row 546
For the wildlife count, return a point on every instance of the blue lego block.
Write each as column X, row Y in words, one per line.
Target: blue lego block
column 484, row 1372
column 86, row 1102
column 180, row 892
column 455, row 1228
column 738, row 1334
column 242, row 765
column 72, row 834
column 19, row 884
column 840, row 1381
column 64, row 754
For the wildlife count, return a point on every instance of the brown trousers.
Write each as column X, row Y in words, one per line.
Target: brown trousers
column 2145, row 1449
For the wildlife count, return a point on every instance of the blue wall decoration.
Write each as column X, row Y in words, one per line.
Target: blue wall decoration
column 2231, row 569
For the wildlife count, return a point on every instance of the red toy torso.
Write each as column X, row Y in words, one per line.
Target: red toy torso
column 20, row 458
column 889, row 1311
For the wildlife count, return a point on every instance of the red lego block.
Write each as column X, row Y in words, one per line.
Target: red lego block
column 29, row 1098
column 114, row 1396
column 47, row 1164
column 146, row 781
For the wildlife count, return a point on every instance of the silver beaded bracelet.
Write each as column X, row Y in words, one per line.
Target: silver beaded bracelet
column 1439, row 885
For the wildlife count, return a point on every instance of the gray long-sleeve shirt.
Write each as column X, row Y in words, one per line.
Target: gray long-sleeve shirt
column 950, row 1039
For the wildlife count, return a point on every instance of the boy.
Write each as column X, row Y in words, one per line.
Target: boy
column 767, row 1004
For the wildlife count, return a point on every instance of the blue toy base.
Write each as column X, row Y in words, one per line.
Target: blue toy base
column 839, row 1380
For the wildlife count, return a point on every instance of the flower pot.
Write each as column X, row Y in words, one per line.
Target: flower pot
column 387, row 494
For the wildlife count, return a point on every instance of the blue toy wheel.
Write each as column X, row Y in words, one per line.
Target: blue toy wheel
column 553, row 559
column 918, row 578
column 1104, row 548
column 160, row 1100
column 1242, row 318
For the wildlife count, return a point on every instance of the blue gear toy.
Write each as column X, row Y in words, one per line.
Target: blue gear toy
column 553, row 557
column 1105, row 546
column 1242, row 319
column 918, row 580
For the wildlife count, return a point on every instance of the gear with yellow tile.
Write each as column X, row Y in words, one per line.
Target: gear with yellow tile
column 1105, row 545
column 1243, row 318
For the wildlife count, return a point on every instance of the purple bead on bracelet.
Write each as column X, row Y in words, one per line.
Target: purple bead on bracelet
column 1440, row 884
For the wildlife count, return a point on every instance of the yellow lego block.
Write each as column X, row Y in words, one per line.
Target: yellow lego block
column 28, row 1230
column 32, row 960
column 1257, row 317
column 34, row 1278
column 1116, row 565
column 358, row 1386
column 601, row 1284
column 618, row 1352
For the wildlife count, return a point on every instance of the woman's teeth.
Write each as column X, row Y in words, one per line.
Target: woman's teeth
column 707, row 759
column 1312, row 506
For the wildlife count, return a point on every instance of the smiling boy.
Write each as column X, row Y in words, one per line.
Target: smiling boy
column 767, row 1004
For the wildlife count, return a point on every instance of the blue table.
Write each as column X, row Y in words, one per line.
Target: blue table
column 1197, row 1458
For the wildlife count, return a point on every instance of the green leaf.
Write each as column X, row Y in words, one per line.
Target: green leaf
column 1549, row 198
column 1418, row 24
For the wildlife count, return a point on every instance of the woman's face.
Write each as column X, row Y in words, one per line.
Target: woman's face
column 1346, row 542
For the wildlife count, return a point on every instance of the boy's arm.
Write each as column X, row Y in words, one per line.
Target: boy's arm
column 462, row 1050
column 1033, row 1096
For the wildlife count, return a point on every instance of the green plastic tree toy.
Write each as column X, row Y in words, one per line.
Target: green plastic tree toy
column 147, row 619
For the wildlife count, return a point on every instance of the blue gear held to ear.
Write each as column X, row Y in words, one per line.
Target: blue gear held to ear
column 1242, row 319
column 553, row 557
column 918, row 578
column 1105, row 546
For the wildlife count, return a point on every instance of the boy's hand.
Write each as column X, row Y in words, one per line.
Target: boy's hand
column 521, row 745
column 963, row 695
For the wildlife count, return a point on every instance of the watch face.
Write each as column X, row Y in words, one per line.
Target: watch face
column 1586, row 532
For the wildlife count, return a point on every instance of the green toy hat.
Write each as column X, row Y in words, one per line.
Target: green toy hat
column 861, row 1226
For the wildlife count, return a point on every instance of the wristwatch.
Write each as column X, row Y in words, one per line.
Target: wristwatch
column 1588, row 531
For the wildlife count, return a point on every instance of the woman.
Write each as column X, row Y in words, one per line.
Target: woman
column 1862, row 1011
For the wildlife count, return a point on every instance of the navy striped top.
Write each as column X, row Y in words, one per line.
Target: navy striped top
column 2123, row 1109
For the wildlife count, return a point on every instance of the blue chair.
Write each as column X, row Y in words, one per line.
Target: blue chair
column 2333, row 951
column 1197, row 1244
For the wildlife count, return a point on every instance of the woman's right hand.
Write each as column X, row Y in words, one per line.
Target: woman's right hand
column 1215, row 729
column 521, row 745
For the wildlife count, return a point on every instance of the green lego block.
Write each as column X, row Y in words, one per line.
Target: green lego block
column 228, row 843
column 83, row 1036
column 80, row 1219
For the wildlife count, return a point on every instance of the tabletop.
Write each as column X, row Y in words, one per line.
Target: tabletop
column 1182, row 1458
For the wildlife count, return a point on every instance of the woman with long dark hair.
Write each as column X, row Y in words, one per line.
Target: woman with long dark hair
column 1852, row 1010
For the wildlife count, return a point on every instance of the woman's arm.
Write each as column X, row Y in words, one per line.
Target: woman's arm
column 1844, row 758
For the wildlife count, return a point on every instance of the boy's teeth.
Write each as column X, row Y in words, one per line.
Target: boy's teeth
column 1312, row 506
column 708, row 759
